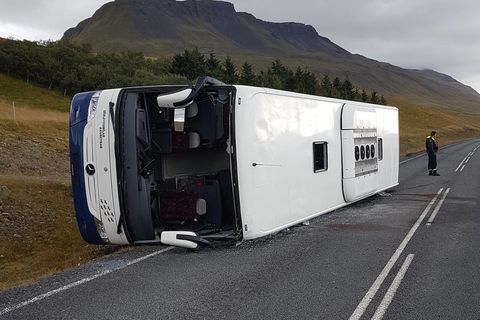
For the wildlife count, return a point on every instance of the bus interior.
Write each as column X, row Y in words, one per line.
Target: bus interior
column 175, row 167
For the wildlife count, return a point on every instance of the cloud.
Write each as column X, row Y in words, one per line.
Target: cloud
column 22, row 32
column 427, row 34
column 44, row 19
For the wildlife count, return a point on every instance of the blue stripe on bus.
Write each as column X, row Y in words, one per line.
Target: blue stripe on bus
column 78, row 121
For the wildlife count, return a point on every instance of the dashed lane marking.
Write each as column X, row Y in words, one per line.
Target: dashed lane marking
column 437, row 208
column 362, row 306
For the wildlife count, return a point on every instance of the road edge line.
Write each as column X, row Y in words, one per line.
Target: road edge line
column 79, row 282
column 387, row 299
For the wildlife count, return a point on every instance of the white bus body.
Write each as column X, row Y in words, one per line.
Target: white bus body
column 146, row 169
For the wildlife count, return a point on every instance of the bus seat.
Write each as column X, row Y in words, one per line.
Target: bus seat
column 192, row 110
column 194, row 140
column 204, row 123
column 211, row 193
column 177, row 206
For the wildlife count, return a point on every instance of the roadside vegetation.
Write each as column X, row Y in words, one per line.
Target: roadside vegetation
column 38, row 232
column 71, row 68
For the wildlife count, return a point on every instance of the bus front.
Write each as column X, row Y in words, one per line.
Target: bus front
column 93, row 167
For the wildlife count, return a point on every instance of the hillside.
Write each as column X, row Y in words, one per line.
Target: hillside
column 38, row 231
column 166, row 27
column 31, row 96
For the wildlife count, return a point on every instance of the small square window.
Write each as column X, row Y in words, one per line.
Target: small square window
column 320, row 156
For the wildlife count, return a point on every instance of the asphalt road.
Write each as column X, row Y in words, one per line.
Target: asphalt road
column 410, row 253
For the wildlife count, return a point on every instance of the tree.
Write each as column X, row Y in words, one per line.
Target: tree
column 364, row 96
column 356, row 95
column 158, row 65
column 191, row 64
column 383, row 101
column 214, row 67
column 278, row 76
column 326, row 86
column 374, row 97
column 337, row 89
column 305, row 81
column 72, row 68
column 247, row 76
column 229, row 71
column 347, row 90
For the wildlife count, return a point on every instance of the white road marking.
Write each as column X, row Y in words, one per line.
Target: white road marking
column 423, row 154
column 464, row 161
column 459, row 166
column 362, row 306
column 387, row 299
column 463, row 167
column 79, row 282
column 437, row 208
column 410, row 159
column 461, row 163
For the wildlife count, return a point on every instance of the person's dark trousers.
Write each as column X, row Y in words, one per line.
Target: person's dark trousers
column 432, row 163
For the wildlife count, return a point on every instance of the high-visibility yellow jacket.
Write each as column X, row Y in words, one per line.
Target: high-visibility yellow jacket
column 431, row 145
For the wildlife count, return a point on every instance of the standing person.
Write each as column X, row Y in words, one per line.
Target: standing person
column 432, row 148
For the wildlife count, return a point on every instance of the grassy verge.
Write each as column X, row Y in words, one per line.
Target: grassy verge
column 34, row 148
column 29, row 95
column 417, row 122
column 38, row 231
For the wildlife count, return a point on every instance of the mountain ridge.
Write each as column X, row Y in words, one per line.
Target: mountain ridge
column 167, row 27
column 220, row 20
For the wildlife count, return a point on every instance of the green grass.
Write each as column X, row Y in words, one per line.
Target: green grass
column 31, row 96
column 38, row 231
column 416, row 122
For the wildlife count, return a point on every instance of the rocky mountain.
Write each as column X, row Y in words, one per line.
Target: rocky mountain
column 169, row 26
column 166, row 27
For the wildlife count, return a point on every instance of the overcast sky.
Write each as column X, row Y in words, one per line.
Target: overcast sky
column 442, row 35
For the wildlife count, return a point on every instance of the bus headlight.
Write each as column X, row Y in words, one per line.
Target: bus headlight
column 92, row 108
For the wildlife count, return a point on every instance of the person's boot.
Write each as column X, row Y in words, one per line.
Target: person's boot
column 435, row 173
column 430, row 172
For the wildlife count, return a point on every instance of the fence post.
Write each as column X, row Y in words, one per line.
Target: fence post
column 14, row 113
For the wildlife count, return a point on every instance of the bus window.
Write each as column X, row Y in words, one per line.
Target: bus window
column 320, row 156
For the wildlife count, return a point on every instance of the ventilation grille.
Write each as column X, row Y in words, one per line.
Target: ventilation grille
column 106, row 211
column 365, row 151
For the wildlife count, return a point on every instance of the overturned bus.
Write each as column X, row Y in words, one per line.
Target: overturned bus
column 190, row 165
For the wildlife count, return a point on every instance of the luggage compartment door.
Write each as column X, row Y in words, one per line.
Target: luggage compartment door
column 359, row 151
